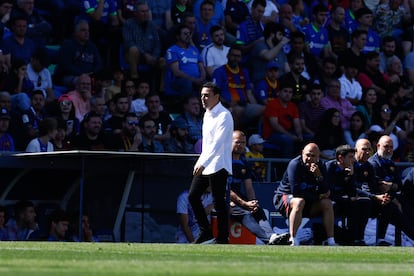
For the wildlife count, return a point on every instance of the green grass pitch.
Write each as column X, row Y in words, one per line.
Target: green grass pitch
column 44, row 258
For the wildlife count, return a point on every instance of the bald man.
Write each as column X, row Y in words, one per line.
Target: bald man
column 304, row 192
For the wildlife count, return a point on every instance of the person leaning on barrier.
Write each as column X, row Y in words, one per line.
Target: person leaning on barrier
column 304, row 191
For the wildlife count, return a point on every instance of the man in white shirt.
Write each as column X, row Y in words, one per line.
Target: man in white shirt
column 214, row 55
column 350, row 87
column 213, row 166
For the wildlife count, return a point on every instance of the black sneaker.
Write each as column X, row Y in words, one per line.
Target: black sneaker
column 204, row 238
column 383, row 243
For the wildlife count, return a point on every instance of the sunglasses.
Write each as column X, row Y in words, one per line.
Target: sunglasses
column 133, row 123
column 386, row 110
column 65, row 103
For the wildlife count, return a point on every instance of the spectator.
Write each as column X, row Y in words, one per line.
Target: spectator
column 295, row 78
column 281, row 124
column 161, row 16
column 316, row 34
column 47, row 132
column 215, row 54
column 178, row 142
column 81, row 96
column 218, row 16
column 19, row 85
column 393, row 18
column 105, row 31
column 3, row 231
column 330, row 134
column 91, row 135
column 121, row 107
column 365, row 19
column 18, row 45
column 77, row 55
column 350, row 87
column 192, row 115
column 286, row 19
column 235, row 12
column 340, row 174
column 245, row 207
column 39, row 30
column 338, row 35
column 160, row 117
column 118, row 79
column 58, row 226
column 357, row 129
column 60, row 141
column 39, row 74
column 148, row 130
column 333, row 100
column 6, row 140
column 6, row 7
column 388, row 180
column 126, row 9
column 185, row 71
column 236, row 89
column 138, row 105
column 299, row 17
column 384, row 124
column 268, row 49
column 98, row 105
column 188, row 228
column 295, row 200
column 141, row 42
column 354, row 53
column 27, row 127
column 23, row 226
column 388, row 50
column 178, row 9
column 250, row 31
column 268, row 88
column 368, row 104
column 129, row 138
column 66, row 116
column 297, row 46
column 351, row 24
column 310, row 112
column 204, row 24
column 327, row 72
column 255, row 145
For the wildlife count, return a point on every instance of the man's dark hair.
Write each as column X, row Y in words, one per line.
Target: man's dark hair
column 271, row 28
column 130, row 114
column 179, row 29
column 343, row 150
column 357, row 33
column 297, row 34
column 212, row 86
column 371, row 55
column 258, row 2
column 319, row 8
column 21, row 206
column 58, row 215
column 215, row 28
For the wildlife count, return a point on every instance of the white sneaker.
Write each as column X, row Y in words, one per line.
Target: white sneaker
column 294, row 242
column 279, row 239
column 329, row 243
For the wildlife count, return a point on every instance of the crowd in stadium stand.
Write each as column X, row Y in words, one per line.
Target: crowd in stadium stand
column 125, row 75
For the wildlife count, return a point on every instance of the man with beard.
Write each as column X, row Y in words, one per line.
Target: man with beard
column 388, row 181
column 270, row 48
column 214, row 55
column 149, row 144
column 295, row 78
column 91, row 136
column 234, row 82
column 141, row 42
column 178, row 143
column 130, row 136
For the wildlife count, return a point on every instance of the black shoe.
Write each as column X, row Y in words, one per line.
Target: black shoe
column 221, row 241
column 204, row 238
column 383, row 243
column 282, row 239
column 359, row 243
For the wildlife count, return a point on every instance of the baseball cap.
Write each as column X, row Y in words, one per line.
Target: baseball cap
column 272, row 64
column 4, row 114
column 256, row 139
column 179, row 123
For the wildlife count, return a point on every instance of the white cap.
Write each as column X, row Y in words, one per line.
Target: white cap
column 256, row 139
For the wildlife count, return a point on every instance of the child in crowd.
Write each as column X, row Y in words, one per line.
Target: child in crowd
column 268, row 89
column 138, row 105
column 47, row 132
column 256, row 151
column 115, row 87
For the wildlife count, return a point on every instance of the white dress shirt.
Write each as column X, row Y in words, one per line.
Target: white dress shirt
column 217, row 141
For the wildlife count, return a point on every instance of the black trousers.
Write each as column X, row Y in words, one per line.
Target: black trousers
column 218, row 182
